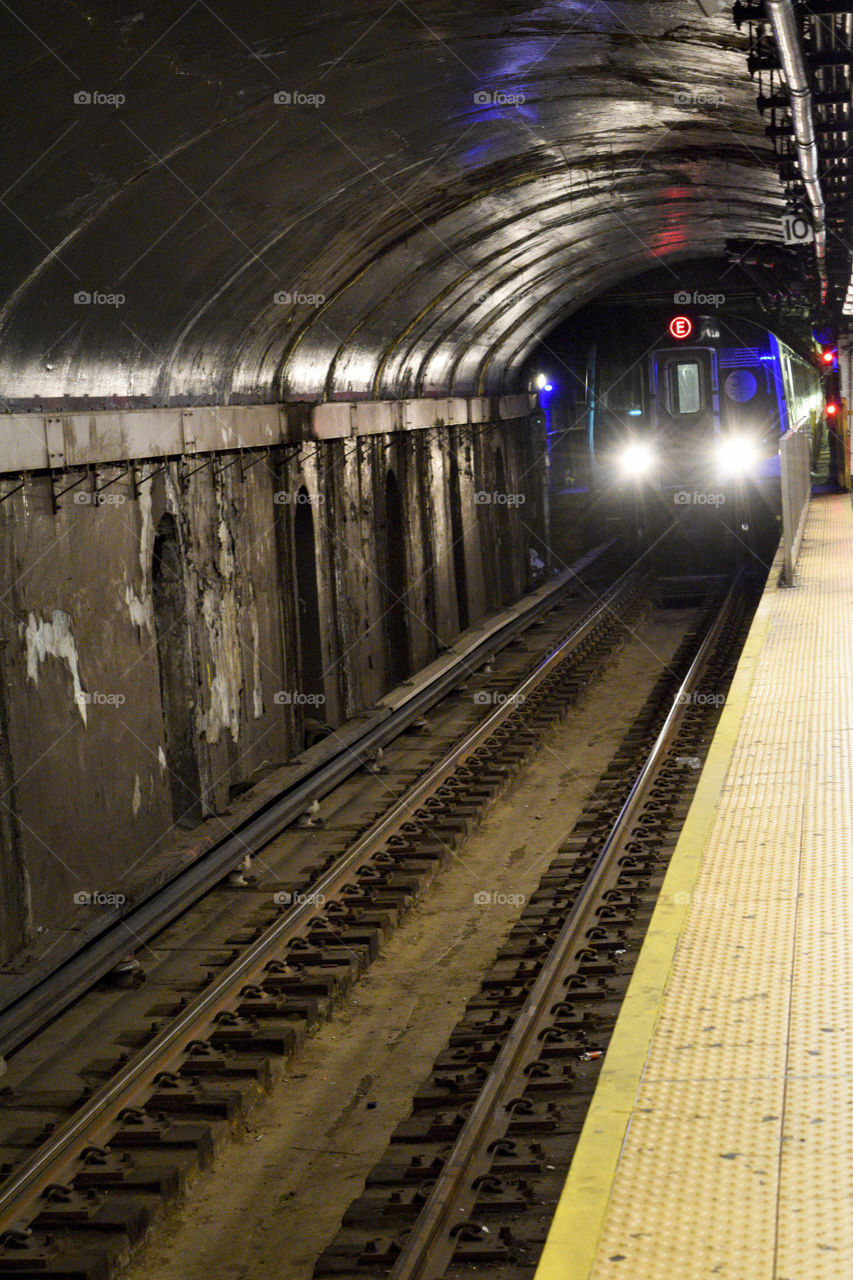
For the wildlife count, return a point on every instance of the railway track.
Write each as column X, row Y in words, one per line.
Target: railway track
column 86, row 1169
column 470, row 1179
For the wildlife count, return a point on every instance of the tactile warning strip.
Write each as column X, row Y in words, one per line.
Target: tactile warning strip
column 720, row 1139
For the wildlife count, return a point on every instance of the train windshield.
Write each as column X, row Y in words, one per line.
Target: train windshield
column 685, row 387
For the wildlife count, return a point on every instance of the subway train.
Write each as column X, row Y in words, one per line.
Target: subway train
column 687, row 405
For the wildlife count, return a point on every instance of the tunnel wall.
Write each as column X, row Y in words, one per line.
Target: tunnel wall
column 101, row 676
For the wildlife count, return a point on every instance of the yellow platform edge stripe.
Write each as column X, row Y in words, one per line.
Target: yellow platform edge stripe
column 572, row 1242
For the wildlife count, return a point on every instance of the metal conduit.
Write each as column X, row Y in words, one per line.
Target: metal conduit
column 786, row 33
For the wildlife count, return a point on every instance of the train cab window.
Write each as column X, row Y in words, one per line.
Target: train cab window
column 685, row 387
column 619, row 400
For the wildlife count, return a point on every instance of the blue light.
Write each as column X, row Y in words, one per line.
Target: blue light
column 635, row 413
column 545, row 389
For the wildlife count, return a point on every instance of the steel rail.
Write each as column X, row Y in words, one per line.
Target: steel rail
column 89, row 1125
column 430, row 1246
column 36, row 998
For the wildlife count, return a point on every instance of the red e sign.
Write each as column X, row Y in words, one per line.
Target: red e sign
column 681, row 327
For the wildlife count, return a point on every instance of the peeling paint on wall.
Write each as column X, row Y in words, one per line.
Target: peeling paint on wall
column 53, row 639
column 142, row 609
column 257, row 692
column 221, row 617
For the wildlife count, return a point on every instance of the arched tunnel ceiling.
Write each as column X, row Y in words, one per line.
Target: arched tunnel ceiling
column 446, row 183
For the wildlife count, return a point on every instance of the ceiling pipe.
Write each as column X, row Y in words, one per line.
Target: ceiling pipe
column 786, row 33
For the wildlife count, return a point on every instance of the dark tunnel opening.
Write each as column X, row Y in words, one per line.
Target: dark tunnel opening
column 457, row 534
column 311, row 674
column 501, row 518
column 392, row 544
column 177, row 680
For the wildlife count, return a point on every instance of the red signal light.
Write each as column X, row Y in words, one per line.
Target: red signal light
column 681, row 327
column 831, row 409
column 828, row 357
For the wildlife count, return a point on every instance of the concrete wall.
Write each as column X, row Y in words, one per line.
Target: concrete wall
column 108, row 654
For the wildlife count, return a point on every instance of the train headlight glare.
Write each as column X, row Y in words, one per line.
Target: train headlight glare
column 636, row 459
column 736, row 455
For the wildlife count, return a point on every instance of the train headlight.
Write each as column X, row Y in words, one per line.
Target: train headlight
column 636, row 460
column 736, row 456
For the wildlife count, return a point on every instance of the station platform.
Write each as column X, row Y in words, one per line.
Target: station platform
column 719, row 1142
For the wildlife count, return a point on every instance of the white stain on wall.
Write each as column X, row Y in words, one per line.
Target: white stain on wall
column 141, row 608
column 257, row 692
column 54, row 639
column 221, row 617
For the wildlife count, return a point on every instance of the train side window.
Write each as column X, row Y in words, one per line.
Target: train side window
column 685, row 388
